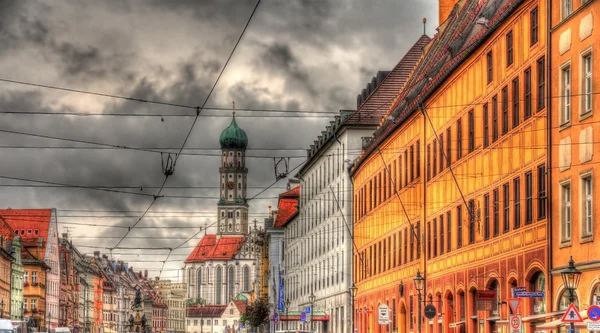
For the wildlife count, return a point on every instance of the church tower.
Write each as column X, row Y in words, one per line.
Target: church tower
column 232, row 206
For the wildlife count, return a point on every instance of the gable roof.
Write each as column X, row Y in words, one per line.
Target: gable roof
column 287, row 206
column 240, row 305
column 29, row 223
column 206, row 311
column 211, row 248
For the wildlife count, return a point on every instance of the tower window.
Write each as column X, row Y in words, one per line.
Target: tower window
column 237, row 214
column 230, row 214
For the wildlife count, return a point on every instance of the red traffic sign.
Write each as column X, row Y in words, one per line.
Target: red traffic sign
column 515, row 321
column 571, row 315
column 514, row 304
column 593, row 312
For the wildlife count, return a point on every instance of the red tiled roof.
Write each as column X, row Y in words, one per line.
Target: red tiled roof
column 287, row 206
column 29, row 223
column 240, row 305
column 210, row 248
column 206, row 311
column 377, row 104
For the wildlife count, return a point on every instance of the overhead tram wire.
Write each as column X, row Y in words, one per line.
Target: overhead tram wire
column 198, row 110
column 286, row 114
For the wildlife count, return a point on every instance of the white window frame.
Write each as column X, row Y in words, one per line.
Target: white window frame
column 566, row 212
column 565, row 93
column 566, row 7
column 587, row 206
column 586, row 82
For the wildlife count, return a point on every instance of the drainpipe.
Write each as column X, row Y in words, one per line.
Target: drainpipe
column 549, row 154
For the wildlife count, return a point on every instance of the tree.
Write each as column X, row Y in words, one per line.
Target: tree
column 257, row 313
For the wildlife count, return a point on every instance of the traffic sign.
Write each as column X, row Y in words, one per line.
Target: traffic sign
column 593, row 312
column 384, row 317
column 308, row 309
column 429, row 311
column 571, row 315
column 514, row 304
column 530, row 294
column 593, row 326
column 519, row 289
column 303, row 317
column 515, row 322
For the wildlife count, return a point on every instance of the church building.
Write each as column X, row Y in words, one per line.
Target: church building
column 223, row 265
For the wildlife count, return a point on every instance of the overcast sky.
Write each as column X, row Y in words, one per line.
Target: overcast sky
column 295, row 55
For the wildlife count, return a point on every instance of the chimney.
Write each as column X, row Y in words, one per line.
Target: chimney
column 145, row 274
column 445, row 7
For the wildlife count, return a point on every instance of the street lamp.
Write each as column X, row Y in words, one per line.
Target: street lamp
column 49, row 319
column 287, row 318
column 2, row 308
column 311, row 299
column 571, row 277
column 353, row 291
column 419, row 284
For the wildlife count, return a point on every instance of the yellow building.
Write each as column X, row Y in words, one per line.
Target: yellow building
column 452, row 187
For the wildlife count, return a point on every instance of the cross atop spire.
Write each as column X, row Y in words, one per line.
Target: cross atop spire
column 234, row 108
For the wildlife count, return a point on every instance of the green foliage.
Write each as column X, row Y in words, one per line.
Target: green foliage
column 257, row 313
column 195, row 301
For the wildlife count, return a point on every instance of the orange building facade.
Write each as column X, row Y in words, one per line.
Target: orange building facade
column 453, row 185
column 574, row 151
column 98, row 304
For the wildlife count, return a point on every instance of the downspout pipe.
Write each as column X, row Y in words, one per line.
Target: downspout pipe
column 549, row 219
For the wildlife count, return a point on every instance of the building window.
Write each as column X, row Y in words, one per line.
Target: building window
column 527, row 100
column 428, row 162
column 587, row 205
column 541, row 76
column 418, row 149
column 494, row 118
column 567, row 8
column 448, row 146
column 515, row 96
column 418, row 230
column 34, row 278
column 541, row 186
column 434, row 153
column 458, row 139
column 490, row 67
column 449, row 231
column 565, row 79
column 429, row 250
column 406, row 166
column 442, row 234
column 471, row 216
column 458, row 227
column 442, row 162
column 434, row 231
column 517, row 202
column 509, row 48
column 533, row 26
column 528, row 198
column 412, row 163
column 26, row 277
column 486, row 216
column 565, row 212
column 471, row 130
column 486, row 130
column 586, row 97
column 505, row 110
column 506, row 207
column 412, row 242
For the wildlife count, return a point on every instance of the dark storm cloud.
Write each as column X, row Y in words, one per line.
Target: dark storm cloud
column 299, row 54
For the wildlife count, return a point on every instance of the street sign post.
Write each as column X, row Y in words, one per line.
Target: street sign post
column 303, row 317
column 384, row 317
column 515, row 323
column 593, row 312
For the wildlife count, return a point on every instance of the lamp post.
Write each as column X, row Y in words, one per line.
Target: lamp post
column 311, row 299
column 571, row 277
column 287, row 318
column 419, row 284
column 49, row 319
column 2, row 308
column 353, row 292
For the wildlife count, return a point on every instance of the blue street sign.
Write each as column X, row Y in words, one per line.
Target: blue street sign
column 530, row 294
column 308, row 309
column 594, row 312
column 519, row 289
column 303, row 317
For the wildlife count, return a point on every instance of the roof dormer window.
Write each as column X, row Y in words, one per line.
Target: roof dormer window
column 35, row 232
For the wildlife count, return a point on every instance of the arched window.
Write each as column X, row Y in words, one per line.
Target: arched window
column 219, row 285
column 246, row 280
column 230, row 283
column 199, row 283
column 538, row 283
column 596, row 295
column 495, row 286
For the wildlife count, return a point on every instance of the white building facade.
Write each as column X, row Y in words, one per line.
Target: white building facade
column 53, row 275
column 319, row 241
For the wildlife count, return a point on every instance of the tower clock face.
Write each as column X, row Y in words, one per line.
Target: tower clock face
column 231, row 185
